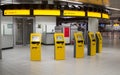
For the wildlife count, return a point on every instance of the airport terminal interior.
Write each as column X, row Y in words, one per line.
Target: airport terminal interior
column 59, row 37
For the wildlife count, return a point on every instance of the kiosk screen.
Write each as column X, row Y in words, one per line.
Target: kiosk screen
column 59, row 38
column 79, row 37
column 92, row 36
column 35, row 38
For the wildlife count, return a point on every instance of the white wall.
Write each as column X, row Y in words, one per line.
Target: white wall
column 0, row 37
column 47, row 23
column 6, row 31
column 4, row 25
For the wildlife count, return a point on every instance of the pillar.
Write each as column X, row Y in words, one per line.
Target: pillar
column 93, row 24
column 0, row 37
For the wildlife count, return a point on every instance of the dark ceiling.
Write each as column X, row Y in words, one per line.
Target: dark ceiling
column 113, row 3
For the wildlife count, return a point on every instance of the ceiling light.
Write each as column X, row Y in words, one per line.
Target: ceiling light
column 116, row 9
column 72, row 1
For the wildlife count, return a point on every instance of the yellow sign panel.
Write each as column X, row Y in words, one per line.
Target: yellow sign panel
column 106, row 16
column 46, row 12
column 94, row 14
column 73, row 13
column 9, row 12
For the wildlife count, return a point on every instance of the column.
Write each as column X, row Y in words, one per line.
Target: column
column 0, row 37
column 93, row 24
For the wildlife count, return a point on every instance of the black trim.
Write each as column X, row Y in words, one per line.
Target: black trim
column 7, row 48
column 89, row 47
column 75, row 50
column 97, row 44
column 60, row 42
column 31, row 11
column 35, row 42
column 80, row 41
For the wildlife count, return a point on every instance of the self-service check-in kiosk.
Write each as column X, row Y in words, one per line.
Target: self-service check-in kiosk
column 35, row 46
column 79, row 45
column 59, row 46
column 91, row 44
column 98, row 42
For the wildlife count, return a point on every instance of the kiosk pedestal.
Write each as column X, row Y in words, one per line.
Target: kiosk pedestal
column 35, row 46
column 79, row 45
column 98, row 42
column 59, row 46
column 91, row 44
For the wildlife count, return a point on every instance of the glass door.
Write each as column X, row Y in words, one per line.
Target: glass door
column 24, row 27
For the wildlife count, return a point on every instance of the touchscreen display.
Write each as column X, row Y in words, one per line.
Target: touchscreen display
column 35, row 38
column 79, row 37
column 59, row 38
column 92, row 36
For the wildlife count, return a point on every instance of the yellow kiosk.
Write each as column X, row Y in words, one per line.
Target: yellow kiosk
column 98, row 42
column 59, row 46
column 35, row 46
column 91, row 44
column 79, row 45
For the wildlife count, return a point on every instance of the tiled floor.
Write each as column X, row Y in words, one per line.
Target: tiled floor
column 17, row 61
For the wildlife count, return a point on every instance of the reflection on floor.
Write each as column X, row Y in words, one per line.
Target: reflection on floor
column 16, row 61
